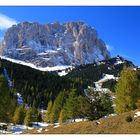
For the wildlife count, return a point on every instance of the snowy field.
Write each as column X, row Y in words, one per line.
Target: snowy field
column 39, row 126
column 18, row 129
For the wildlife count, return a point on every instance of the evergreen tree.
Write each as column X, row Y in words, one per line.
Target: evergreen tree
column 34, row 114
column 39, row 117
column 7, row 101
column 71, row 106
column 19, row 115
column 27, row 120
column 99, row 105
column 49, row 109
column 16, row 117
column 105, row 105
column 61, row 117
column 84, row 107
column 57, row 106
column 127, row 90
column 34, row 103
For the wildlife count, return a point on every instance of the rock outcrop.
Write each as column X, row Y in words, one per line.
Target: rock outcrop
column 54, row 44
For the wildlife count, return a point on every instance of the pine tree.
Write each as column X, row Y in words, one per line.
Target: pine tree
column 84, row 107
column 16, row 117
column 127, row 91
column 97, row 106
column 7, row 102
column 61, row 117
column 34, row 103
column 39, row 117
column 19, row 115
column 57, row 106
column 34, row 114
column 29, row 100
column 105, row 105
column 71, row 106
column 27, row 120
column 49, row 109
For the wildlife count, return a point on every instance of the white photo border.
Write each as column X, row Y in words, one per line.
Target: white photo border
column 69, row 3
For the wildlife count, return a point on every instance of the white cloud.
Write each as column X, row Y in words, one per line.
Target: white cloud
column 6, row 22
column 110, row 48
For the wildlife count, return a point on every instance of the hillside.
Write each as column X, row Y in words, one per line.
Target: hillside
column 112, row 125
column 36, row 85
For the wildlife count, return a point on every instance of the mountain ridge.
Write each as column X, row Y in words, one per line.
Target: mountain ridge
column 54, row 44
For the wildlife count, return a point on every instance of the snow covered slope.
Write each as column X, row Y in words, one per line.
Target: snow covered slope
column 106, row 77
column 55, row 68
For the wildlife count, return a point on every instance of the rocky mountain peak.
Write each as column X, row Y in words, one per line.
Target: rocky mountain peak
column 54, row 44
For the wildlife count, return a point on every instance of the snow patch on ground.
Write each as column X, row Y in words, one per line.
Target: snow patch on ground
column 77, row 120
column 40, row 125
column 43, row 111
column 56, row 125
column 19, row 132
column 112, row 115
column 19, row 128
column 46, row 130
column 39, row 130
column 137, row 114
column 4, row 132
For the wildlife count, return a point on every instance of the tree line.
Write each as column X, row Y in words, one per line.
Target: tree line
column 69, row 106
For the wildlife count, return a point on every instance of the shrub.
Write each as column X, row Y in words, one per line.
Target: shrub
column 129, row 119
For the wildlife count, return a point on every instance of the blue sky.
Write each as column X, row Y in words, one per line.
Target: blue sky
column 119, row 27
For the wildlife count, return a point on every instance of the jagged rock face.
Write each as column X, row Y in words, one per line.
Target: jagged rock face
column 52, row 44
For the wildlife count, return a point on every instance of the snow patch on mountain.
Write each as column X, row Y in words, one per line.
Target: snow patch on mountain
column 98, row 84
column 19, row 99
column 105, row 78
column 62, row 73
column 55, row 68
column 7, row 78
column 119, row 60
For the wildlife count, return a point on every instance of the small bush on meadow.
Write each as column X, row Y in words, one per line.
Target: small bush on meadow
column 129, row 119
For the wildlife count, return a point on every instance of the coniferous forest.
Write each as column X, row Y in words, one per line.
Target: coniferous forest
column 65, row 98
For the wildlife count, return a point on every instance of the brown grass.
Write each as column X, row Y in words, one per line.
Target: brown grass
column 111, row 125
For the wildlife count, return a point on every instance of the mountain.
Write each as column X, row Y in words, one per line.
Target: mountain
column 91, row 73
column 53, row 44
